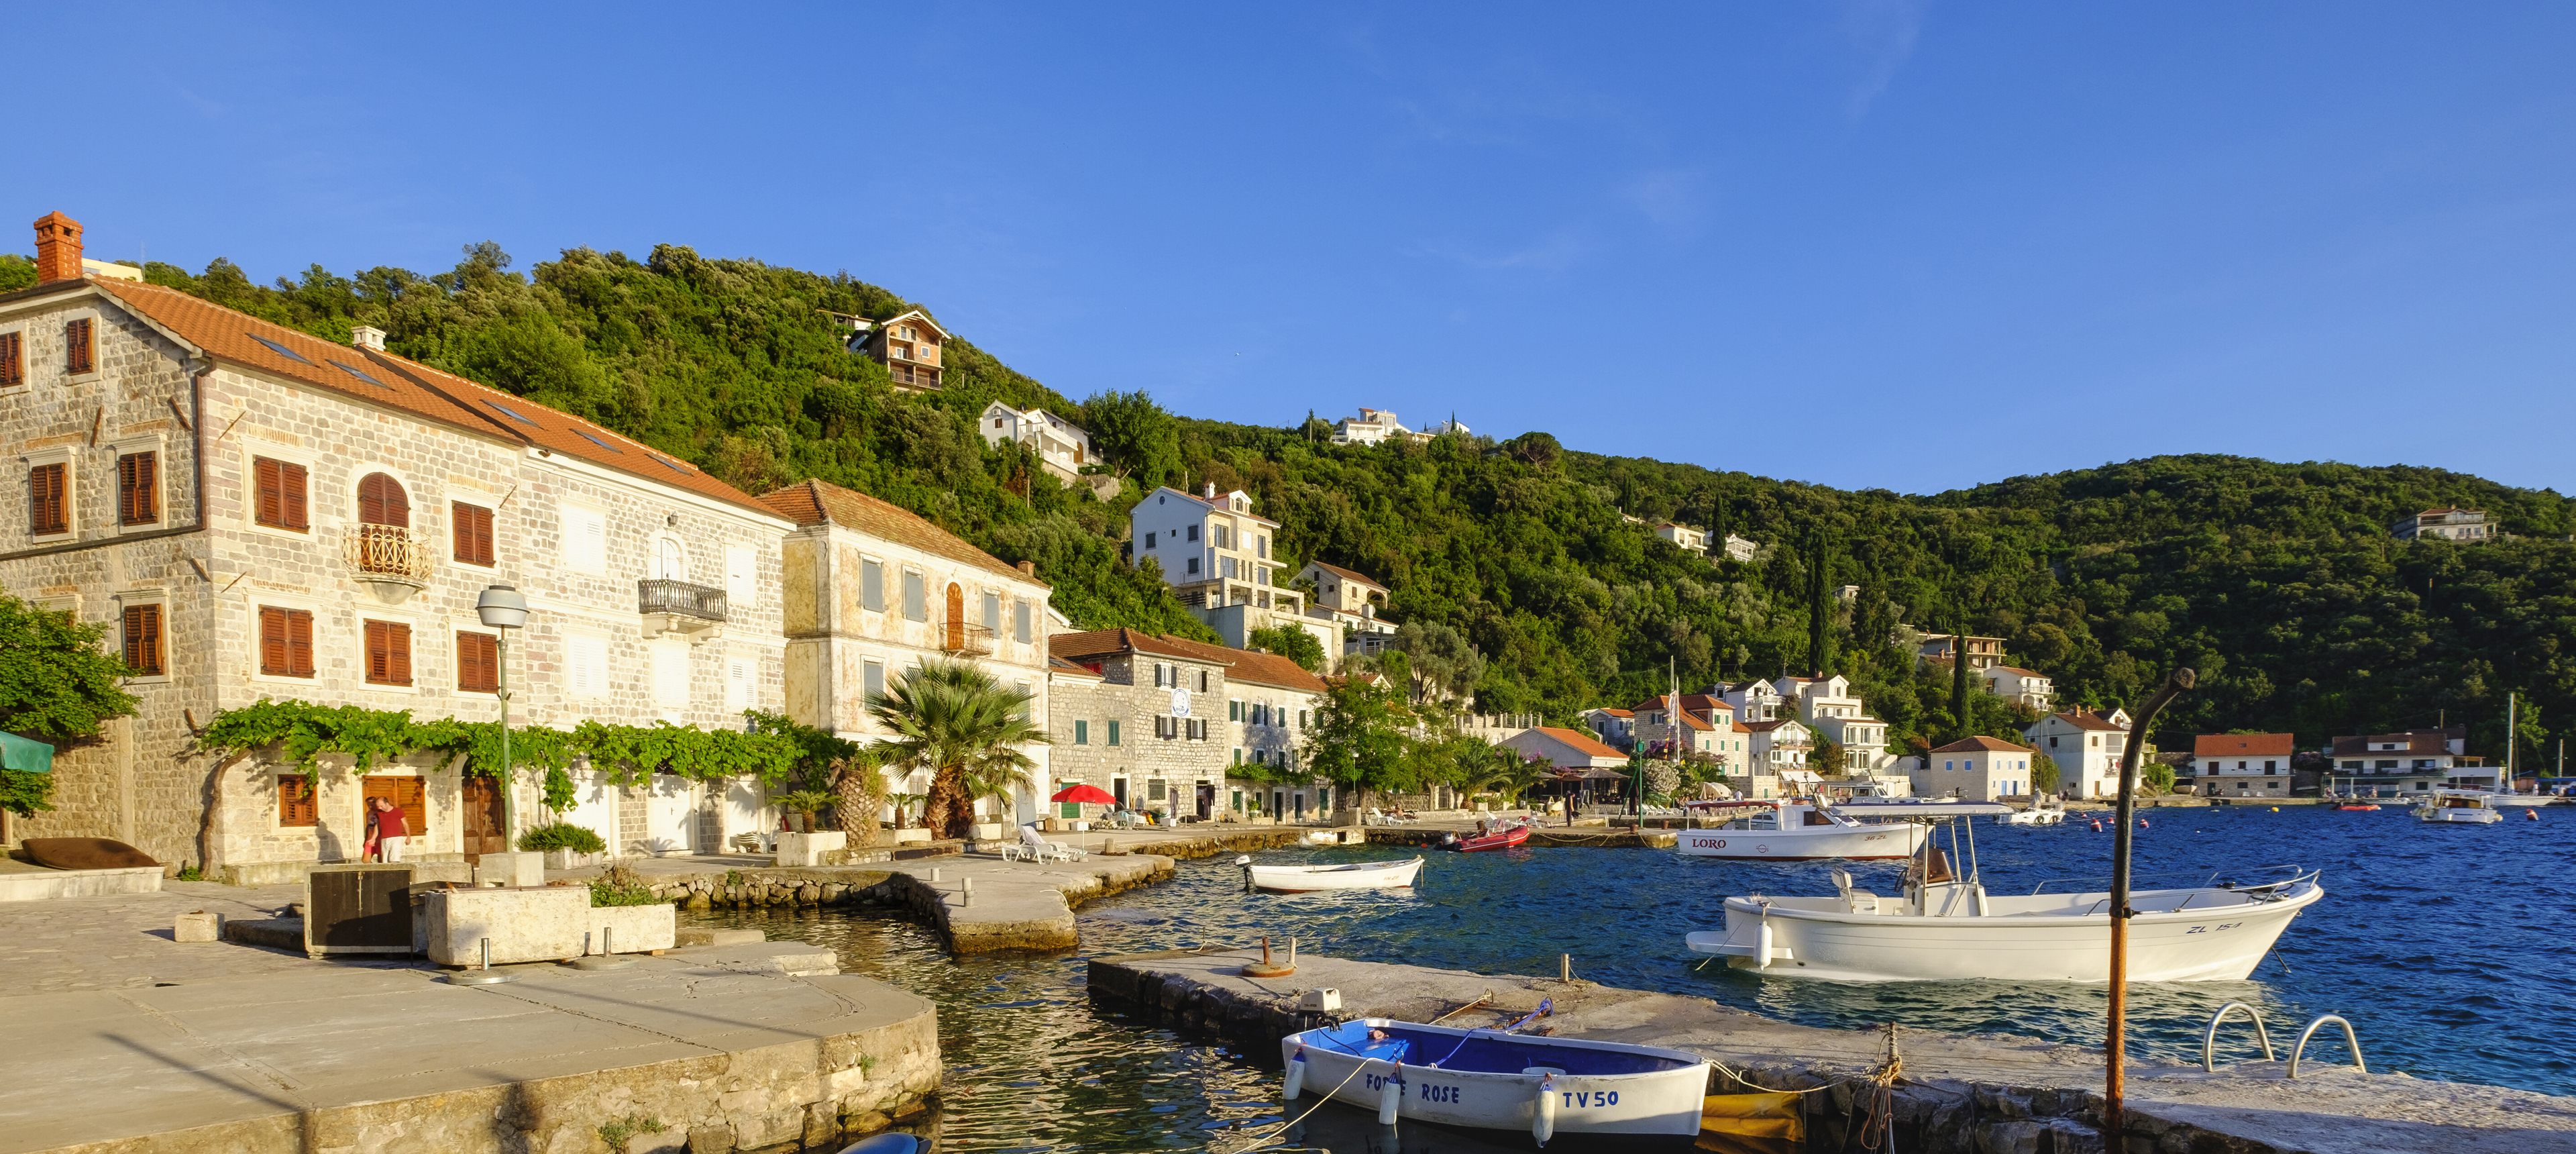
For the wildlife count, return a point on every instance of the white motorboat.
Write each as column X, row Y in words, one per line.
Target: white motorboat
column 1792, row 829
column 1945, row 926
column 1373, row 875
column 2045, row 811
column 2462, row 807
column 1496, row 1080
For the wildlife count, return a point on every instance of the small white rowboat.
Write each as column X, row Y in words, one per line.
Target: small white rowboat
column 1491, row 1080
column 1375, row 875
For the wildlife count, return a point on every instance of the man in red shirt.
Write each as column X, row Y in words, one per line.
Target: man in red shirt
column 391, row 833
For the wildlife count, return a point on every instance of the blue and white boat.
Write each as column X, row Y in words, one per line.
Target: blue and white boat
column 1494, row 1080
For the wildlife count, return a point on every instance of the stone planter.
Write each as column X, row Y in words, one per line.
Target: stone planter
column 539, row 924
column 910, row 836
column 810, row 849
column 986, row 831
column 632, row 929
column 519, row 868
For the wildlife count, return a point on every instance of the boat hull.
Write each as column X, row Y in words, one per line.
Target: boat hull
column 2461, row 817
column 1642, row 1104
column 2214, row 935
column 1493, row 841
column 1887, row 842
column 1309, row 879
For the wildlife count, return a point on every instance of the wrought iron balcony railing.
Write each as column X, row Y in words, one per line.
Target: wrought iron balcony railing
column 968, row 640
column 663, row 595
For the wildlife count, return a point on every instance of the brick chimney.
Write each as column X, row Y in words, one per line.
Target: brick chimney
column 58, row 248
column 1029, row 568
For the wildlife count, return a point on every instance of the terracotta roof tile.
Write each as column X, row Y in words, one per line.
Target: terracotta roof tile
column 1109, row 642
column 1258, row 668
column 2243, row 744
column 385, row 379
column 817, row 502
column 2083, row 719
column 1982, row 744
column 1581, row 742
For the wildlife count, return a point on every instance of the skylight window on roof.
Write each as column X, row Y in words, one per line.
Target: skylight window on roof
column 511, row 413
column 359, row 373
column 585, row 435
column 279, row 349
column 676, row 467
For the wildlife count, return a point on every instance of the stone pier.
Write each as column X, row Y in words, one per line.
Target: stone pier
column 1958, row 1093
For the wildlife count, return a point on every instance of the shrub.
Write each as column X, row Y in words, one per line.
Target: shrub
column 561, row 835
column 620, row 885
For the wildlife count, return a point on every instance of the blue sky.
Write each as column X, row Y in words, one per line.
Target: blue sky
column 1872, row 244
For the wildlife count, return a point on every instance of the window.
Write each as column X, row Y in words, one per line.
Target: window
column 1263, row 545
column 280, row 500
column 1198, row 729
column 473, row 531
column 993, row 612
column 1163, row 726
column 49, row 499
column 1234, row 711
column 285, row 642
column 381, row 501
column 871, row 680
column 670, row 563
column 585, row 540
column 742, row 576
column 143, row 640
column 13, row 360
column 1113, row 732
column 586, row 665
column 1203, row 681
column 1020, row 619
column 1193, row 566
column 138, row 488
column 388, row 653
column 1224, row 537
column 1081, row 732
column 1194, row 533
column 916, row 597
column 670, row 674
column 1154, row 790
column 296, row 804
column 80, row 346
column 478, row 663
column 872, row 586
column 1149, row 540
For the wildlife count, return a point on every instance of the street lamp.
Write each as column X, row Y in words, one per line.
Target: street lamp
column 503, row 608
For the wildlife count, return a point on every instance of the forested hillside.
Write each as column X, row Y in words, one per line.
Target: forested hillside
column 2278, row 582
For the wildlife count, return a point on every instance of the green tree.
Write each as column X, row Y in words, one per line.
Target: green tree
column 57, row 684
column 1290, row 642
column 1358, row 742
column 2043, row 773
column 1440, row 663
column 1820, row 606
column 1136, row 435
column 964, row 726
column 1961, row 722
column 2156, row 777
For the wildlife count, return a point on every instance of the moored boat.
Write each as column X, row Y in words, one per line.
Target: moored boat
column 1494, row 1080
column 1504, row 838
column 1792, row 829
column 1299, row 879
column 2044, row 811
column 2460, row 807
column 1945, row 925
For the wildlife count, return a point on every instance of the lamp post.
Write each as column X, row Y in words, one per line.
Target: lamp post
column 2114, row 1087
column 503, row 608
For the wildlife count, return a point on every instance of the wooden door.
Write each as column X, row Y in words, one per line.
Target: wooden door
column 407, row 796
column 482, row 818
column 956, row 616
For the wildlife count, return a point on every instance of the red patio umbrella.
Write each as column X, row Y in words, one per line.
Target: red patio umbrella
column 1088, row 793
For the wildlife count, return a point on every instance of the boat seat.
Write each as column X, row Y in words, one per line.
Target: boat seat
column 1860, row 901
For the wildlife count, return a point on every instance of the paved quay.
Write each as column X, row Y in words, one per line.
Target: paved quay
column 716, row 1048
column 1957, row 1093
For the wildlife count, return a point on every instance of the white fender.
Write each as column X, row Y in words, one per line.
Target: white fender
column 1543, row 1119
column 1762, row 945
column 1296, row 1075
column 1390, row 1096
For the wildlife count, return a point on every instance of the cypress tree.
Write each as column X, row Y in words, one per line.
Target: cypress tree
column 1959, row 675
column 1820, row 615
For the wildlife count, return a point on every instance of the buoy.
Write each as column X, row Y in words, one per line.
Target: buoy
column 1296, row 1074
column 1543, row 1119
column 2097, row 825
column 1390, row 1095
column 2142, row 823
column 2532, row 814
column 2276, row 809
column 1762, row 946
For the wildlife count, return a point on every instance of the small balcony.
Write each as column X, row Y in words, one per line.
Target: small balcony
column 668, row 606
column 394, row 561
column 963, row 640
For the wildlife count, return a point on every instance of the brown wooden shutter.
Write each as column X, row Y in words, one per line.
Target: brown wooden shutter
column 381, row 501
column 13, row 360
column 398, row 654
column 143, row 639
column 473, row 532
column 81, row 347
column 48, row 500
column 478, row 663
column 299, row 643
column 295, row 801
column 138, row 489
column 280, row 503
column 272, row 641
column 377, row 671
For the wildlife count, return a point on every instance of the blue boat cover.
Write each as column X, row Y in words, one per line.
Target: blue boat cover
column 1483, row 1053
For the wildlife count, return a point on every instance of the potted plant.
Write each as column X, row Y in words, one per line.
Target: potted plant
column 804, row 803
column 904, row 806
column 566, row 846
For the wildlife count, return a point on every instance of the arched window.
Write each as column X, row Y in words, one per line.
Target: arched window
column 669, row 563
column 381, row 502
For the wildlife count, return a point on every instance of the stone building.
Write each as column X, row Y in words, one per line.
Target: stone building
column 872, row 591
column 1216, row 554
column 259, row 513
column 1162, row 723
column 908, row 346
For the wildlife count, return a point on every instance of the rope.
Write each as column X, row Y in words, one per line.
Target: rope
column 1882, row 1101
column 1259, row 1140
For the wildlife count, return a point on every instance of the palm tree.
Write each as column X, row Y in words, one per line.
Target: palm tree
column 963, row 724
column 1512, row 776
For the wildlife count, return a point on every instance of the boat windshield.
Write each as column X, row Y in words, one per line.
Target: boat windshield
column 1484, row 1053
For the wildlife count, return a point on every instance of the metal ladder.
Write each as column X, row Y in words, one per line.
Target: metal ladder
column 2209, row 1040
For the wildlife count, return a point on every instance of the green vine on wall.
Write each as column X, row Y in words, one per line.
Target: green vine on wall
column 303, row 732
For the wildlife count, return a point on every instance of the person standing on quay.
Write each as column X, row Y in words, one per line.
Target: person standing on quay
column 390, row 830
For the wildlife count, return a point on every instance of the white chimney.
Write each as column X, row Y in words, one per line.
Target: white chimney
column 368, row 337
column 1211, row 490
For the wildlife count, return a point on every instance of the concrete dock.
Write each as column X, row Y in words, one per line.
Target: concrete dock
column 1957, row 1092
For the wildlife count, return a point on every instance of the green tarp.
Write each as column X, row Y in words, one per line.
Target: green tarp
column 25, row 754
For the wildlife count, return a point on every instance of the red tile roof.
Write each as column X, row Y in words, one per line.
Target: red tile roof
column 1110, row 642
column 2243, row 745
column 817, row 502
column 1579, row 741
column 384, row 379
column 1983, row 744
column 2085, row 719
column 1258, row 668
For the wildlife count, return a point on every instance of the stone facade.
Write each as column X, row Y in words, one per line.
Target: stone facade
column 178, row 377
column 1162, row 724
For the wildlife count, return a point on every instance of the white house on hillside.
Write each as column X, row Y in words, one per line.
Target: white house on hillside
column 1975, row 769
column 1215, row 553
column 1373, row 427
column 1695, row 540
column 1827, row 706
column 2020, row 686
column 2086, row 747
column 2451, row 524
column 1062, row 447
column 1740, row 548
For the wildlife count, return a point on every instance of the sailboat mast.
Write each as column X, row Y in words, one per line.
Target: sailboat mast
column 2506, row 786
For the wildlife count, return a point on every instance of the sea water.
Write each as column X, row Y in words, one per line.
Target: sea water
column 2449, row 948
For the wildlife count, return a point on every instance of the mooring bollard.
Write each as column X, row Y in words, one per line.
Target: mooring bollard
column 1565, row 967
column 487, row 953
column 1292, row 953
column 934, row 875
column 968, row 891
column 607, row 940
